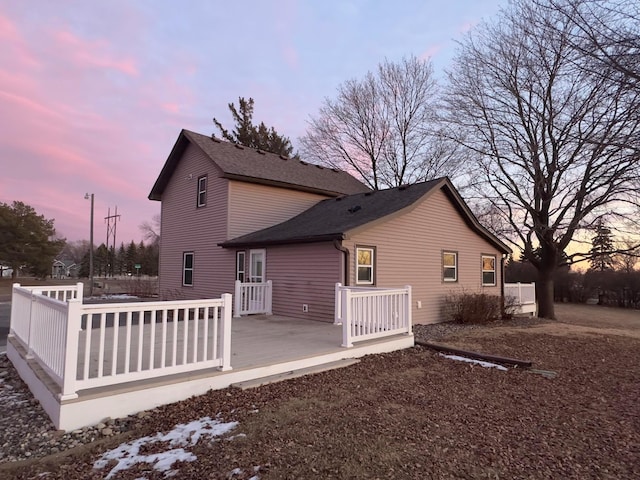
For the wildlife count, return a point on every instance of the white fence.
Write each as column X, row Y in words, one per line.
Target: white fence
column 367, row 312
column 82, row 346
column 252, row 298
column 522, row 296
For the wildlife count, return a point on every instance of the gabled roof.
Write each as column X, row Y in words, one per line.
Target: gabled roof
column 334, row 218
column 255, row 166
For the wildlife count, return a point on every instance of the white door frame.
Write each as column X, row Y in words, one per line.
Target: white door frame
column 261, row 255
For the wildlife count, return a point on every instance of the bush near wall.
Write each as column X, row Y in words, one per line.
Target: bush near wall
column 472, row 308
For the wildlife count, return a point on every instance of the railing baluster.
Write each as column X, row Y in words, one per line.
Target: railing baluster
column 175, row 338
column 87, row 345
column 127, row 344
column 140, row 339
column 116, row 333
column 103, row 320
column 152, row 338
column 163, row 354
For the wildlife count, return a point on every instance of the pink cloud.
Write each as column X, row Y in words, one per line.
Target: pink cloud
column 430, row 52
column 94, row 53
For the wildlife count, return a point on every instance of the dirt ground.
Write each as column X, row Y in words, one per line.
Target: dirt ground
column 415, row 414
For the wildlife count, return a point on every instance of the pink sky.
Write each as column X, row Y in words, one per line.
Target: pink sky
column 94, row 94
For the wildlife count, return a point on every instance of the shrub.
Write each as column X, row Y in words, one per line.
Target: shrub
column 472, row 308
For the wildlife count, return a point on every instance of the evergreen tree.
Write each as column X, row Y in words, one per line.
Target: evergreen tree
column 601, row 253
column 27, row 239
column 250, row 135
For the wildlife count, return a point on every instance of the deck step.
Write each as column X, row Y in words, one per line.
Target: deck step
column 257, row 382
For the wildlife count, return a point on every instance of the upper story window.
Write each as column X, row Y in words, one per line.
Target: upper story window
column 449, row 266
column 365, row 264
column 202, row 191
column 187, row 269
column 488, row 270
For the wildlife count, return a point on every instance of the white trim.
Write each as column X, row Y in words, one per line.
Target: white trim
column 483, row 271
column 184, row 268
column 454, row 267
column 202, row 191
column 371, row 266
column 244, row 265
column 252, row 276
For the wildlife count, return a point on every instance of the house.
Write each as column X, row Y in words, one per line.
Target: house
column 64, row 268
column 234, row 213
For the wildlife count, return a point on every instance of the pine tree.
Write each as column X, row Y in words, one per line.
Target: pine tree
column 250, row 135
column 601, row 256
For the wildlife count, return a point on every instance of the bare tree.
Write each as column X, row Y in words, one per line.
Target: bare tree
column 151, row 230
column 557, row 145
column 382, row 127
column 605, row 32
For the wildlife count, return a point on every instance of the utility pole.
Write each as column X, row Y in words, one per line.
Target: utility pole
column 86, row 197
column 111, row 221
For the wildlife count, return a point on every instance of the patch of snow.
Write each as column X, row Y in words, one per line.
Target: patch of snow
column 234, row 472
column 475, row 362
column 182, row 435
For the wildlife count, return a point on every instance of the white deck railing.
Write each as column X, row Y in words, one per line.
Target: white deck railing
column 522, row 296
column 84, row 346
column 368, row 312
column 252, row 298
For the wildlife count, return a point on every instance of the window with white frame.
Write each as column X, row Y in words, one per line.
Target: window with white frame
column 240, row 263
column 450, row 266
column 488, row 270
column 202, row 191
column 187, row 269
column 365, row 264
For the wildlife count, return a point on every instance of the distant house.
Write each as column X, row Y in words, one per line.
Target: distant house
column 64, row 268
column 233, row 213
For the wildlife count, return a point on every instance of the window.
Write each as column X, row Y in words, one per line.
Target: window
column 240, row 262
column 365, row 265
column 449, row 266
column 488, row 270
column 202, row 191
column 187, row 269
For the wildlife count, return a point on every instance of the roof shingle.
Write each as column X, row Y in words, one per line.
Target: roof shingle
column 255, row 166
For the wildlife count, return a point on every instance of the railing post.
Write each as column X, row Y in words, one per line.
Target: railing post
column 14, row 308
column 74, row 315
column 337, row 319
column 225, row 331
column 409, row 308
column 237, row 299
column 269, row 297
column 519, row 293
column 31, row 324
column 79, row 291
column 346, row 320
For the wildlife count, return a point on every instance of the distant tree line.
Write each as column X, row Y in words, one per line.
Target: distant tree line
column 121, row 261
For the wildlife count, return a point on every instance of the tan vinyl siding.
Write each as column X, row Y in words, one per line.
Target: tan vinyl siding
column 304, row 274
column 409, row 252
column 253, row 207
column 187, row 228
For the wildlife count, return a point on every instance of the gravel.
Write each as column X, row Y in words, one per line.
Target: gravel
column 26, row 431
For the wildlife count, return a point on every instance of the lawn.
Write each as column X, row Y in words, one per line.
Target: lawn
column 415, row 414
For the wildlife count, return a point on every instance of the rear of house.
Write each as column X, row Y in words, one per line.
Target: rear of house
column 421, row 235
column 234, row 213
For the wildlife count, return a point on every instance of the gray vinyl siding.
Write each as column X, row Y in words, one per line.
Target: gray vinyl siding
column 304, row 274
column 187, row 228
column 253, row 207
column 409, row 252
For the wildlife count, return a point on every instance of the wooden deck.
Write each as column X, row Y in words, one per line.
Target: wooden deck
column 262, row 346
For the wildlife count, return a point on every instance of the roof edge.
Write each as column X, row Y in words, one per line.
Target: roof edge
column 289, row 241
column 275, row 183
